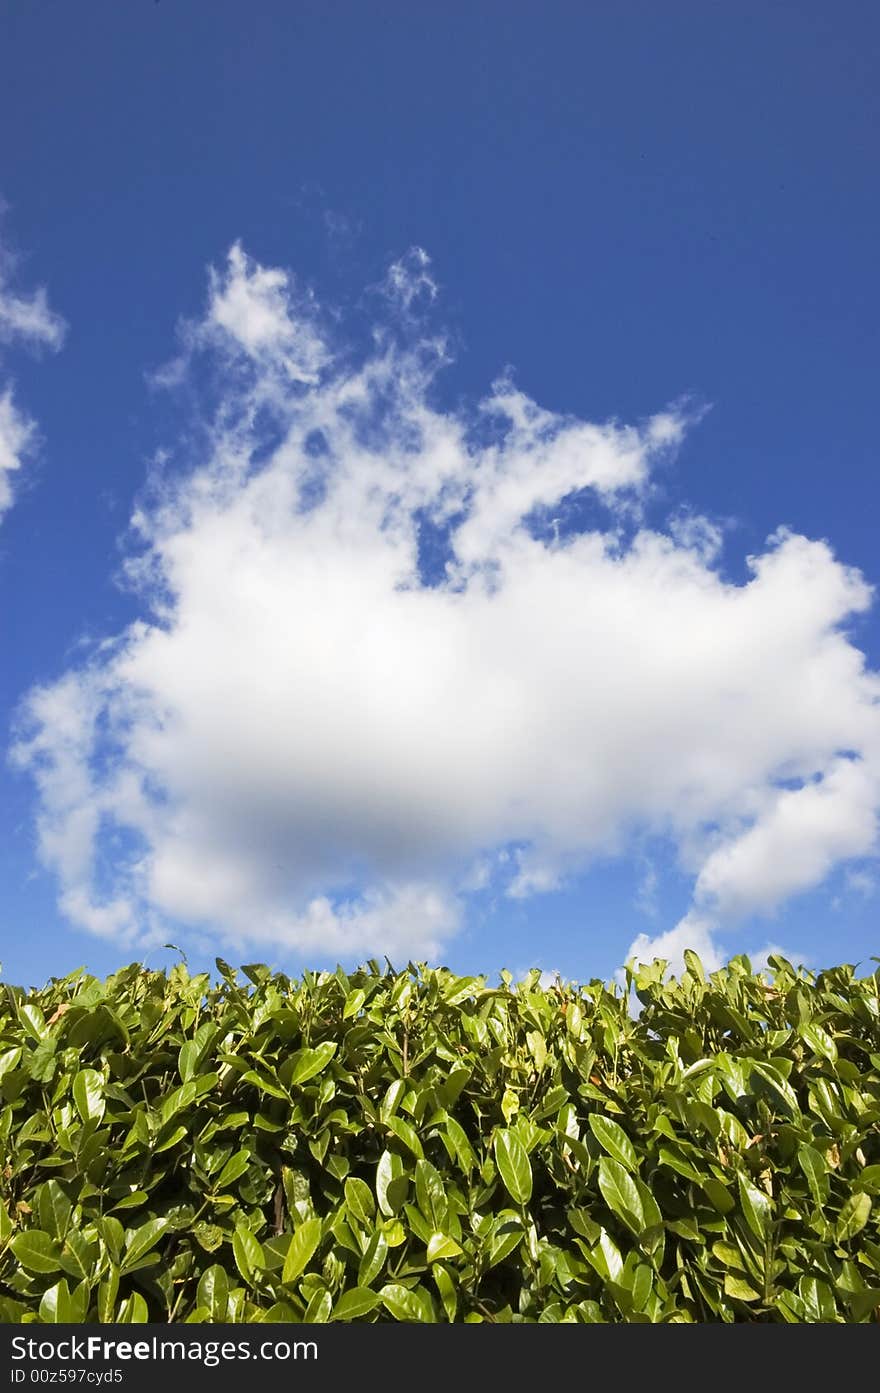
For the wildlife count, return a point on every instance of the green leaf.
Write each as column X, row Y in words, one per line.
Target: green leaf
column 353, row 1003
column 42, row 1062
column 248, row 1253
column 814, row 1167
column 451, row 1089
column 79, row 1256
column 208, row 1236
column 391, row 1183
column 133, row 1310
column 88, row 1094
column 694, row 966
column 407, row 1135
column 108, row 1291
column 301, row 1249
column 391, row 1102
column 756, row 1206
column 740, row 1287
column 113, row 1235
column 32, row 1019
column 778, row 1087
column 319, row 1308
column 448, row 1294
column 312, row 1062
column 677, row 1161
column 718, row 1194
column 402, row 1303
column 373, row 1259
column 132, row 1201
column 614, row 1139
column 359, row 1199
column 818, row 1300
column 462, row 1148
column 213, row 1293
column 54, row 1208
column 514, row 1166
column 853, row 1216
column 193, row 1051
column 431, row 1195
column 36, row 1251
column 606, row 1257
column 869, row 1179
column 507, row 1237
column 233, row 1170
column 864, row 1303
column 819, row 1041
column 140, row 1241
column 56, row 1307
column 177, row 1100
column 171, row 1140
column 441, row 1246
column 265, row 1084
column 354, row 1304
column 620, row 1194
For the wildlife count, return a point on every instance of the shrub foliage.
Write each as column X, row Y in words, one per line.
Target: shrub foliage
column 417, row 1146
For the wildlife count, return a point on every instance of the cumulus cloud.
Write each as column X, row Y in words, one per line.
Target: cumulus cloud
column 29, row 319
column 315, row 739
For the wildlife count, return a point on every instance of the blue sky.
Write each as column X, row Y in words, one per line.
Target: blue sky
column 580, row 299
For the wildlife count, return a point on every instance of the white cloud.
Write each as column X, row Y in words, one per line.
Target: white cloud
column 794, row 841
column 646, row 892
column 305, row 743
column 863, row 882
column 30, row 319
column 16, row 438
column 409, row 281
column 27, row 317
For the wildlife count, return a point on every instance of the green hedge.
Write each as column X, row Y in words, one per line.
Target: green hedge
column 418, row 1146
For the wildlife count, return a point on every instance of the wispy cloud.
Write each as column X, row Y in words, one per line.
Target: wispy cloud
column 25, row 318
column 864, row 882
column 311, row 739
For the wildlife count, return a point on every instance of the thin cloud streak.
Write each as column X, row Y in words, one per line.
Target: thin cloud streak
column 29, row 320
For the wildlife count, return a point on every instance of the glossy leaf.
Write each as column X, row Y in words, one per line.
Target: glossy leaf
column 757, row 1208
column 620, row 1194
column 354, row 1304
column 402, row 1303
column 213, row 1293
column 88, row 1094
column 141, row 1240
column 514, row 1166
column 301, row 1249
column 613, row 1138
column 248, row 1253
column 36, row 1250
column 373, row 1259
column 312, row 1062
column 853, row 1216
